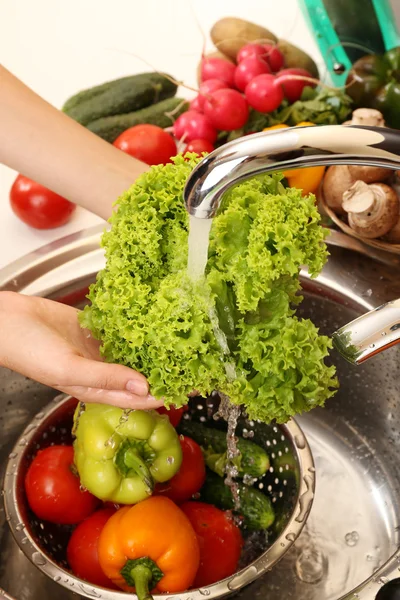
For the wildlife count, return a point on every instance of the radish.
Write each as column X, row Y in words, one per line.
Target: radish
column 226, row 109
column 293, row 88
column 251, row 50
column 263, row 93
column 274, row 57
column 197, row 104
column 211, row 85
column 248, row 69
column 192, row 125
column 217, row 68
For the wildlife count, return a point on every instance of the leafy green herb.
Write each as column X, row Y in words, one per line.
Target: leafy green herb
column 150, row 316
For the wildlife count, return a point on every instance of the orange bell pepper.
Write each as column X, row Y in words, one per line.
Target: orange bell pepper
column 307, row 180
column 149, row 546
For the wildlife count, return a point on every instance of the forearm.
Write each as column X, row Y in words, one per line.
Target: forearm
column 44, row 144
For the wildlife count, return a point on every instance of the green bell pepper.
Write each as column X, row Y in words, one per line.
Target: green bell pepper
column 120, row 455
column 375, row 83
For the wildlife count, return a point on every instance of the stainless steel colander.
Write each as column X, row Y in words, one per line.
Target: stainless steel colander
column 290, row 482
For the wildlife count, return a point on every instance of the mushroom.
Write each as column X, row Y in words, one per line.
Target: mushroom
column 373, row 209
column 369, row 174
column 393, row 237
column 366, row 117
column 337, row 181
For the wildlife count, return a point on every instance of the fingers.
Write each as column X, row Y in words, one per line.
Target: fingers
column 105, row 376
column 95, row 381
column 114, row 397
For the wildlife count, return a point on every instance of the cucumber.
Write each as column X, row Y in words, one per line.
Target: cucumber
column 253, row 459
column 118, row 97
column 255, row 507
column 110, row 128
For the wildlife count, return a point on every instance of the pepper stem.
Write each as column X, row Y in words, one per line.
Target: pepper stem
column 133, row 461
column 143, row 574
column 142, row 577
column 128, row 458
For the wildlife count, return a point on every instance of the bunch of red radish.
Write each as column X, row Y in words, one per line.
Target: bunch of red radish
column 227, row 91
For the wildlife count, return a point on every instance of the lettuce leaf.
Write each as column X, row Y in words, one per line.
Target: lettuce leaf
column 149, row 315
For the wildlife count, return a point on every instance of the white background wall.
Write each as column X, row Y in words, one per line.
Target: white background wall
column 58, row 47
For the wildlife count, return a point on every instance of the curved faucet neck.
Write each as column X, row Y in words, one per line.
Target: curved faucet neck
column 292, row 148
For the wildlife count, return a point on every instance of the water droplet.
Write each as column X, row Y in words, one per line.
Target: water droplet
column 300, row 441
column 170, row 460
column 291, row 537
column 23, row 442
column 352, row 538
column 24, row 540
column 383, row 580
column 39, row 416
column 20, row 526
column 204, row 592
column 311, row 565
column 243, row 578
column 30, row 428
column 38, row 559
column 12, row 455
column 372, row 345
column 383, row 333
column 305, row 500
column 57, row 578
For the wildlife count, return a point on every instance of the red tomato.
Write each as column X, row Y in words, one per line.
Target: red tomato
column 53, row 490
column 38, row 206
column 82, row 553
column 148, row 143
column 174, row 414
column 199, row 146
column 190, row 476
column 220, row 542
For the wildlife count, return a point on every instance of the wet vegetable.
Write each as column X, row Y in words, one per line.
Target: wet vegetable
column 121, row 456
column 150, row 546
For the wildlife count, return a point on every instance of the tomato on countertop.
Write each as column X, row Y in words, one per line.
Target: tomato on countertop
column 148, row 143
column 38, row 206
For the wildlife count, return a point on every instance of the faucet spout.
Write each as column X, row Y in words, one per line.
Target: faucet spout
column 370, row 334
column 297, row 147
column 301, row 147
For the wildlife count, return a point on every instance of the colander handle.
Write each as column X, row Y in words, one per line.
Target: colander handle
column 382, row 585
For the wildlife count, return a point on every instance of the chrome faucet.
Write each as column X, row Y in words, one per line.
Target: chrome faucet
column 301, row 147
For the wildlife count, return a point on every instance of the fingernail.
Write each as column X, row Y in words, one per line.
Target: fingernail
column 135, row 386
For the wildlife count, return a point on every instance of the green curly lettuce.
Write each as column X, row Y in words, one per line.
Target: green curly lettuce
column 236, row 331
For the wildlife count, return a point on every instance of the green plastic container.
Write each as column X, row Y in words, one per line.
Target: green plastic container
column 345, row 30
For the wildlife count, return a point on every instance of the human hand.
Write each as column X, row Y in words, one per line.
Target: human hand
column 43, row 340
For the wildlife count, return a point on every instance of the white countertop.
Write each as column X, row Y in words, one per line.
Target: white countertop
column 58, row 48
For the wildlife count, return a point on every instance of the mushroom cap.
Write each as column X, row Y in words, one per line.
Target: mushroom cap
column 337, row 180
column 372, row 218
column 367, row 116
column 393, row 237
column 369, row 174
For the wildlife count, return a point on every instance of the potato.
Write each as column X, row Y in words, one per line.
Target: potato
column 230, row 34
column 215, row 54
column 295, row 57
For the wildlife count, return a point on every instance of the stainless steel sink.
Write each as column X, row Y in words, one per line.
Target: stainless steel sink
column 354, row 525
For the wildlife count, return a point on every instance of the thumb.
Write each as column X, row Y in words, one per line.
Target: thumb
column 96, row 381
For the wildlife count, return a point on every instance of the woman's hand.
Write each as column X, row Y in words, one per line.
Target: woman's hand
column 43, row 340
